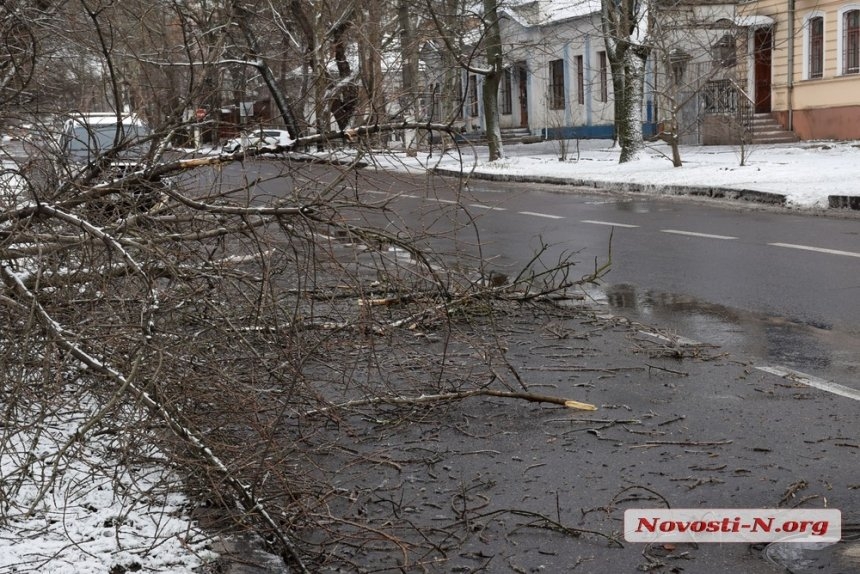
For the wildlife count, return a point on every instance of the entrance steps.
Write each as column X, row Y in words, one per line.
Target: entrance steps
column 764, row 129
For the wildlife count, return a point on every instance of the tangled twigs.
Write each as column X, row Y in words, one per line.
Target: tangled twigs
column 65, row 339
column 456, row 396
column 543, row 521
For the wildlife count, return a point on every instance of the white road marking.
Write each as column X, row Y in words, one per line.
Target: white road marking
column 441, row 200
column 812, row 381
column 613, row 224
column 490, row 207
column 695, row 234
column 546, row 215
column 816, row 249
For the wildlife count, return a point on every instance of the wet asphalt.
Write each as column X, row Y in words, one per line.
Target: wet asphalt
column 508, row 486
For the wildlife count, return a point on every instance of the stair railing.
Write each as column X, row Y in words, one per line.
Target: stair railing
column 745, row 111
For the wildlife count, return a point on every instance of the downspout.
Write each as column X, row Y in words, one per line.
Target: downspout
column 791, row 39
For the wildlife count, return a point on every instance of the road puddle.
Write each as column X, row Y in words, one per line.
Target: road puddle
column 809, row 558
column 817, row 349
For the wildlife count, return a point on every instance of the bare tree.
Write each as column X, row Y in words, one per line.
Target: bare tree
column 695, row 60
column 233, row 317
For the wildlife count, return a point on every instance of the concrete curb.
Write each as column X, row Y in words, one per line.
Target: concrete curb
column 844, row 202
column 695, row 191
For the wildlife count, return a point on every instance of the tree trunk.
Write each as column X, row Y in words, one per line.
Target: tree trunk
column 312, row 63
column 490, row 98
column 409, row 56
column 629, row 124
column 624, row 28
column 371, row 70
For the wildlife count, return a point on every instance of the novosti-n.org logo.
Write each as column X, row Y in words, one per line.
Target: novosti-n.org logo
column 732, row 525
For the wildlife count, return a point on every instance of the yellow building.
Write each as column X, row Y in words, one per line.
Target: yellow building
column 805, row 68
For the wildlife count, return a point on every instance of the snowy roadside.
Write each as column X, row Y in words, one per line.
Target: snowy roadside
column 806, row 173
column 74, row 497
column 74, row 505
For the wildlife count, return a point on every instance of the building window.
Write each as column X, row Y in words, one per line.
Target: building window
column 580, row 80
column 725, row 52
column 473, row 96
column 556, row 85
column 851, row 42
column 816, row 47
column 506, row 104
column 604, row 77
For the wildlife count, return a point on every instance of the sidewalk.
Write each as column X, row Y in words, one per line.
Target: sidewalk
column 806, row 175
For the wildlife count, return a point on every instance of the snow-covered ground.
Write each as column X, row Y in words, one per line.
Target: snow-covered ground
column 82, row 510
column 805, row 173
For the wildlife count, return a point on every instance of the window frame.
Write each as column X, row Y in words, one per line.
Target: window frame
column 473, row 96
column 845, row 38
column 555, row 85
column 579, row 61
column 506, row 99
column 814, row 46
column 603, row 67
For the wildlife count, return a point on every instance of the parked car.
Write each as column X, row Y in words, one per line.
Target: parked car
column 85, row 137
column 263, row 139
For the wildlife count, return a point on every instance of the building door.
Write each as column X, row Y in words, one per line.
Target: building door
column 762, row 59
column 522, row 82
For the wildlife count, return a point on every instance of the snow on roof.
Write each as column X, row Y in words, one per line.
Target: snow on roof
column 545, row 12
column 753, row 21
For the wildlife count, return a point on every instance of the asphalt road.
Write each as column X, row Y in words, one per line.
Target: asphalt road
column 780, row 289
column 703, row 433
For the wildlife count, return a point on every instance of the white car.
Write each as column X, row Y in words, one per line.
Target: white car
column 85, row 137
column 262, row 139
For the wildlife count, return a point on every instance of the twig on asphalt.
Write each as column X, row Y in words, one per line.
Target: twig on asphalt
column 792, row 490
column 656, row 443
column 674, row 372
column 616, row 499
column 698, row 481
column 455, row 396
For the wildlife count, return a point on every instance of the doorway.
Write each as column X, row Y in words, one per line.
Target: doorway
column 522, row 82
column 762, row 62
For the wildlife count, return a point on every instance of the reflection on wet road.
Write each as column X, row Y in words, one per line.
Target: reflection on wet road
column 813, row 348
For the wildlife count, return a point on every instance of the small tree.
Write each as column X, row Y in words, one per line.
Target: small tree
column 694, row 64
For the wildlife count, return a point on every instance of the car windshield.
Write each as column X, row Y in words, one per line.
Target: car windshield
column 100, row 138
